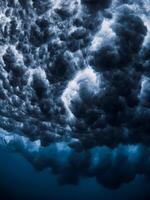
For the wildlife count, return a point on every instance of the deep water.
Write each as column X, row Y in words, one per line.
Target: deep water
column 19, row 180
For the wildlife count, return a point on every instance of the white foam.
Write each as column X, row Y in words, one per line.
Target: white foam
column 72, row 90
column 105, row 32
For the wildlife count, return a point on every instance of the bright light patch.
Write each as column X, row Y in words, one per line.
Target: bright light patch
column 144, row 86
column 72, row 91
column 105, row 32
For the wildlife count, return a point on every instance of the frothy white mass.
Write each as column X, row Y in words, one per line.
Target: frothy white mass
column 87, row 77
column 75, row 86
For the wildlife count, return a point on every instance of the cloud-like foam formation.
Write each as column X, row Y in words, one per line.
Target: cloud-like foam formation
column 111, row 167
column 75, row 86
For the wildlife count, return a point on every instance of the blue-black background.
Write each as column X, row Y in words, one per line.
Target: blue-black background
column 19, row 180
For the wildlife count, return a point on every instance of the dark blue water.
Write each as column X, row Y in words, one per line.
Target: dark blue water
column 19, row 180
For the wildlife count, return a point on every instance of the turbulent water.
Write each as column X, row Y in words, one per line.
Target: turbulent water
column 75, row 86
